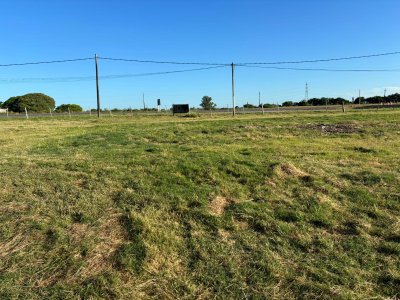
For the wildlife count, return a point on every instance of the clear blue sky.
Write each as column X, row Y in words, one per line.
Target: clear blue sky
column 204, row 31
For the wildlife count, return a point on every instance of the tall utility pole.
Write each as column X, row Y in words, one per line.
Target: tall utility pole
column 384, row 97
column 233, row 89
column 144, row 104
column 306, row 93
column 259, row 102
column 97, row 86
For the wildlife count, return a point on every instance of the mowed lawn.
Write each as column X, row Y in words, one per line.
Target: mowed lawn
column 280, row 206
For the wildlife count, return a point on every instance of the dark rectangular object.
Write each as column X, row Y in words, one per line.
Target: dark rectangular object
column 180, row 108
column 158, row 102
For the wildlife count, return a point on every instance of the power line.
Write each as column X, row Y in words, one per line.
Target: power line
column 90, row 78
column 319, row 69
column 164, row 62
column 254, row 63
column 200, row 63
column 159, row 73
column 117, row 76
column 45, row 62
column 322, row 60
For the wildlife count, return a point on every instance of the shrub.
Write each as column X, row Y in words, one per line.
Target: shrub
column 72, row 108
column 34, row 102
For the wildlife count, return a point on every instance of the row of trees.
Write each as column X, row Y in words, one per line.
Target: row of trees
column 38, row 103
column 208, row 104
column 394, row 98
column 317, row 101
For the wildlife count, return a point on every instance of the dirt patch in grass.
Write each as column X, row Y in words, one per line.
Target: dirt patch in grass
column 288, row 169
column 218, row 205
column 109, row 237
column 332, row 128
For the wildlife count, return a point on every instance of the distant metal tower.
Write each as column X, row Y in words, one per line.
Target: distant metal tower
column 306, row 94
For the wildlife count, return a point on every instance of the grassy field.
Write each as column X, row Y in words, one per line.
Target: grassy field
column 281, row 206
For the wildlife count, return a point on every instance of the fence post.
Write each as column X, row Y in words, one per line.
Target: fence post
column 26, row 113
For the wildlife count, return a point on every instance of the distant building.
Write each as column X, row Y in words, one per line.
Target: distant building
column 3, row 110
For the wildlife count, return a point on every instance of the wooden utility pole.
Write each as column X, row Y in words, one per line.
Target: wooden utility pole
column 259, row 101
column 97, row 86
column 259, row 98
column 384, row 97
column 233, row 89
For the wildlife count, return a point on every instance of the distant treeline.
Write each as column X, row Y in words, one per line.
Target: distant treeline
column 394, row 98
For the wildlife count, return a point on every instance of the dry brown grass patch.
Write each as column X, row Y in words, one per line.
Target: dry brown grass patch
column 288, row 169
column 217, row 205
column 15, row 244
column 108, row 237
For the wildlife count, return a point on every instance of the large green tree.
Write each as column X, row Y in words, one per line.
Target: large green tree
column 72, row 108
column 35, row 102
column 207, row 103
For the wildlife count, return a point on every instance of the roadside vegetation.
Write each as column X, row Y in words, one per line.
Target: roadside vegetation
column 34, row 102
column 280, row 206
column 68, row 108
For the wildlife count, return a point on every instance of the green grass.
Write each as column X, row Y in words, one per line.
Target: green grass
column 276, row 206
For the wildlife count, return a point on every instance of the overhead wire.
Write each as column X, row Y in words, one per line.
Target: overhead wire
column 319, row 69
column 90, row 78
column 164, row 62
column 322, row 60
column 46, row 62
column 201, row 63
column 208, row 65
column 253, row 63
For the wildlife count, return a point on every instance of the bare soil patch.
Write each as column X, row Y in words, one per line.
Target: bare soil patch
column 333, row 128
column 218, row 205
column 288, row 169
